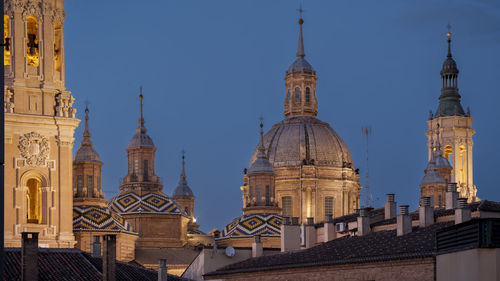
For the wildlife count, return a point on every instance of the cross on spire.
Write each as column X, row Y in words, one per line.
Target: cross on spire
column 449, row 27
column 300, row 10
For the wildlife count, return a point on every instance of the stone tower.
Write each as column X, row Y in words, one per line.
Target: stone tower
column 455, row 126
column 87, row 168
column 39, row 125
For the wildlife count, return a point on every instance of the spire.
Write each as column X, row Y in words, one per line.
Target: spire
column 448, row 35
column 262, row 149
column 141, row 128
column 86, row 132
column 182, row 189
column 261, row 164
column 300, row 50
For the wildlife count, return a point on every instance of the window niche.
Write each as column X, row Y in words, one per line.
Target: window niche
column 34, row 199
column 57, row 45
column 297, row 95
column 32, row 48
column 6, row 40
column 308, row 95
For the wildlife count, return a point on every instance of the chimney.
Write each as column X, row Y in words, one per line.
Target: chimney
column 109, row 258
column 162, row 270
column 96, row 247
column 328, row 228
column 390, row 207
column 363, row 222
column 462, row 212
column 403, row 221
column 256, row 247
column 29, row 256
column 425, row 212
column 451, row 196
column 290, row 235
column 310, row 235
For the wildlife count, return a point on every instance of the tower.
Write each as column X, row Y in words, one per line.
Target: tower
column 260, row 195
column 455, row 126
column 39, row 125
column 91, row 216
column 183, row 194
column 87, row 167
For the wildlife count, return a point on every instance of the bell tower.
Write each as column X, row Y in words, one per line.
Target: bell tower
column 455, row 126
column 39, row 125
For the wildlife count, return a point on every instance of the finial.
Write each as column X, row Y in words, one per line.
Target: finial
column 438, row 143
column 262, row 149
column 300, row 50
column 183, row 172
column 141, row 128
column 448, row 35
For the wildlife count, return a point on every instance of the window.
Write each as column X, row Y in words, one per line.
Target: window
column 440, row 201
column 145, row 168
column 186, row 209
column 32, row 50
column 6, row 40
column 328, row 205
column 251, row 193
column 258, row 191
column 308, row 95
column 136, row 167
column 33, row 198
column 286, row 205
column 98, row 183
column 287, row 100
column 268, row 195
column 297, row 95
column 79, row 185
column 57, row 45
column 90, row 186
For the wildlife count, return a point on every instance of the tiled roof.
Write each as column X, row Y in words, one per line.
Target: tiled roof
column 151, row 202
column 93, row 218
column 375, row 246
column 254, row 224
column 75, row 265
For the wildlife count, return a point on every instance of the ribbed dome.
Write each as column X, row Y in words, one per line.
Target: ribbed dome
column 86, row 153
column 298, row 139
column 433, row 177
column 449, row 66
column 141, row 139
column 300, row 65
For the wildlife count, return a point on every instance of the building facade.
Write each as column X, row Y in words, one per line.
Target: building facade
column 39, row 125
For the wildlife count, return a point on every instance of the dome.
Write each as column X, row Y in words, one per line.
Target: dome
column 449, row 66
column 254, row 224
column 150, row 202
column 92, row 218
column 433, row 177
column 300, row 65
column 261, row 165
column 442, row 162
column 87, row 153
column 183, row 190
column 141, row 139
column 298, row 139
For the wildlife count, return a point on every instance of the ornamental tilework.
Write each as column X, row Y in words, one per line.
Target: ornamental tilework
column 153, row 202
column 255, row 224
column 97, row 218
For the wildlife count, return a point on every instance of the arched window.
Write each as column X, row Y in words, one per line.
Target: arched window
column 308, row 95
column 57, row 45
column 286, row 205
column 90, row 186
column 34, row 196
column 79, row 185
column 6, row 40
column 32, row 49
column 146, row 168
column 328, row 205
column 186, row 209
column 259, row 196
column 251, row 193
column 297, row 95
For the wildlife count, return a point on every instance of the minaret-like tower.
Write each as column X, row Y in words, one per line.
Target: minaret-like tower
column 39, row 125
column 141, row 175
column 259, row 194
column 87, row 167
column 455, row 127
column 300, row 84
column 183, row 195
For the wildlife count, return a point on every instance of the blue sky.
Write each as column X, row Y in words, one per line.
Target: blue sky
column 209, row 69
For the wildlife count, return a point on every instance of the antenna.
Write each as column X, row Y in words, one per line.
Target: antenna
column 367, row 132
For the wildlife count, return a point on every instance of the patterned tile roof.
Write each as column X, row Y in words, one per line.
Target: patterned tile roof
column 151, row 202
column 254, row 224
column 74, row 265
column 94, row 218
column 375, row 246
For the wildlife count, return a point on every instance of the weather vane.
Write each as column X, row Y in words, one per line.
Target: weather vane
column 87, row 103
column 300, row 10
column 449, row 30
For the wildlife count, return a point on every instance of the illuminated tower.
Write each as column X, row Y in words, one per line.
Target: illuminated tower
column 455, row 126
column 39, row 125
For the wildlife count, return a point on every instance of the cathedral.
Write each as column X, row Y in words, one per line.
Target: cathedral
column 301, row 170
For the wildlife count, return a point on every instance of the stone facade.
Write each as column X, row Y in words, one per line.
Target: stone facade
column 39, row 125
column 410, row 270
